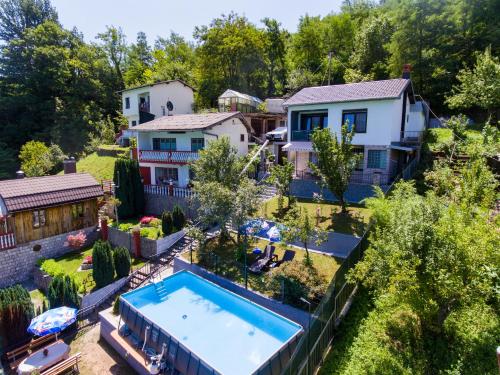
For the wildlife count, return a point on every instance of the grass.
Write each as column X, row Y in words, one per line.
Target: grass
column 331, row 219
column 38, row 297
column 347, row 332
column 71, row 262
column 233, row 270
column 440, row 139
column 101, row 167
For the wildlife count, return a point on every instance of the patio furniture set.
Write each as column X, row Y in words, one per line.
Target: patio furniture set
column 268, row 259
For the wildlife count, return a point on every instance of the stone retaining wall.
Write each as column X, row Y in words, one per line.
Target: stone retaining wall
column 156, row 204
column 17, row 264
column 149, row 247
column 292, row 313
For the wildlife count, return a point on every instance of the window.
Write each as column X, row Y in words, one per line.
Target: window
column 77, row 210
column 282, row 123
column 164, row 175
column 163, row 110
column 242, row 137
column 311, row 121
column 197, row 144
column 377, row 159
column 357, row 118
column 164, row 144
column 127, row 103
column 134, row 123
column 38, row 218
column 360, row 152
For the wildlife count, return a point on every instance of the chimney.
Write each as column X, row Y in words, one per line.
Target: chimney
column 69, row 165
column 406, row 71
column 20, row 174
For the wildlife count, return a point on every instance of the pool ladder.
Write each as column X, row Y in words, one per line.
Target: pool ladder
column 161, row 291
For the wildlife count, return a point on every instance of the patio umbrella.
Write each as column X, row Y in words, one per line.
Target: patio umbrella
column 274, row 234
column 52, row 321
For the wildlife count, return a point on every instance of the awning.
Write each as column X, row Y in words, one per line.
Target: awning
column 298, row 146
column 402, row 148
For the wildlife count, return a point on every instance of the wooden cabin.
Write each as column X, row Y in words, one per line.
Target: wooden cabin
column 39, row 207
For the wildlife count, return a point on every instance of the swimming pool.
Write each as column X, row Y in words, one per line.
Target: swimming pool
column 222, row 331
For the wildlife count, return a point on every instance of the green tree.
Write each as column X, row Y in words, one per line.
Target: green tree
column 130, row 189
column 16, row 312
column 35, row 159
column 115, row 46
column 276, row 46
column 167, row 223
column 336, row 160
column 178, row 218
column 245, row 202
column 230, row 53
column 103, row 270
column 480, row 86
column 299, row 227
column 138, row 62
column 281, row 176
column 9, row 162
column 18, row 15
column 63, row 291
column 121, row 259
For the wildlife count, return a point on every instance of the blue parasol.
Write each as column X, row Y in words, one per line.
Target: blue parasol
column 274, row 234
column 52, row 321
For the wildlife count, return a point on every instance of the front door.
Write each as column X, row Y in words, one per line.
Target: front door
column 145, row 174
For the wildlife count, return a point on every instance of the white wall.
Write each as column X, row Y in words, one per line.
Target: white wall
column 231, row 128
column 383, row 119
column 183, row 141
column 182, row 172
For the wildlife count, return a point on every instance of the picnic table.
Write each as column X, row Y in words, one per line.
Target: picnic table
column 38, row 361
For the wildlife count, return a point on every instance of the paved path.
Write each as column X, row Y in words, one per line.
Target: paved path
column 338, row 244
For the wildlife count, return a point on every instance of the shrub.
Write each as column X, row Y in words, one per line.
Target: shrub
column 103, row 267
column 125, row 227
column 121, row 257
column 167, row 223
column 299, row 280
column 52, row 268
column 146, row 220
column 16, row 312
column 76, row 241
column 178, row 218
column 116, row 305
column 63, row 292
column 131, row 190
column 155, row 223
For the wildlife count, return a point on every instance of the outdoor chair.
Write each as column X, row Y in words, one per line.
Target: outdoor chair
column 287, row 257
column 262, row 262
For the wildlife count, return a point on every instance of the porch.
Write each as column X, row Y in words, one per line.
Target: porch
column 168, row 157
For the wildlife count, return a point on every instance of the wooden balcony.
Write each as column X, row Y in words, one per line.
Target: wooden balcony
column 7, row 241
column 168, row 157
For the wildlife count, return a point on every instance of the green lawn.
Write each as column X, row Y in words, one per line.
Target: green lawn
column 101, row 167
column 228, row 267
column 72, row 261
column 355, row 222
column 37, row 297
column 439, row 139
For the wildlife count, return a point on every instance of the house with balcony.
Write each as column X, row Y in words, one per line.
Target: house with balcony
column 261, row 122
column 387, row 118
column 146, row 102
column 168, row 145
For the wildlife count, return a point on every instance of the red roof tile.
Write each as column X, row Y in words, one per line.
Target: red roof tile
column 38, row 192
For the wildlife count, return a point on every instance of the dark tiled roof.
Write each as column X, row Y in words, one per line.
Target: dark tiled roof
column 372, row 90
column 37, row 192
column 188, row 122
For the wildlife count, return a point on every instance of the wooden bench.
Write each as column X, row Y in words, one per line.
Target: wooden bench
column 17, row 355
column 70, row 364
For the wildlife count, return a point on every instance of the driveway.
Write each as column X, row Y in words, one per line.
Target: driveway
column 338, row 245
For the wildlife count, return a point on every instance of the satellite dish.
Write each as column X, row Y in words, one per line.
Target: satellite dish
column 170, row 106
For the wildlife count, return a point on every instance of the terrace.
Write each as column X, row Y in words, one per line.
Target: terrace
column 168, row 157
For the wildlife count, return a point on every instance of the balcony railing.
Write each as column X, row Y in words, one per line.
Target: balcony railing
column 169, row 191
column 414, row 137
column 301, row 135
column 7, row 241
column 168, row 157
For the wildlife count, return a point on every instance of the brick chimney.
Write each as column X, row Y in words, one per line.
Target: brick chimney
column 406, row 71
column 20, row 174
column 69, row 165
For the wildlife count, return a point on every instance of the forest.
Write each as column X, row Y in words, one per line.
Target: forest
column 58, row 88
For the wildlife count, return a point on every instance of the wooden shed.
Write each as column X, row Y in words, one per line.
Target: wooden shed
column 40, row 207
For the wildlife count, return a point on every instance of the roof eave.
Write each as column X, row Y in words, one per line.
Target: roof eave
column 346, row 101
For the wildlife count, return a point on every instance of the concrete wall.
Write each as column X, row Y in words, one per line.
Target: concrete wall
column 18, row 264
column 292, row 313
column 232, row 128
column 156, row 204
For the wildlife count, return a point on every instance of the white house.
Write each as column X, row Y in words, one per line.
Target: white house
column 388, row 122
column 145, row 103
column 167, row 145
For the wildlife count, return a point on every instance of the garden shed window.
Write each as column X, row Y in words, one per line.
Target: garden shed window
column 38, row 218
column 77, row 210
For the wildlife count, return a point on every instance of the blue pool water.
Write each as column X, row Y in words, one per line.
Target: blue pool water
column 230, row 333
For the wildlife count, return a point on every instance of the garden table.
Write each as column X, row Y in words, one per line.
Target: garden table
column 38, row 361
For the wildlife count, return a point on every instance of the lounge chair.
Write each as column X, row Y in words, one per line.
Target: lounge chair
column 287, row 257
column 262, row 262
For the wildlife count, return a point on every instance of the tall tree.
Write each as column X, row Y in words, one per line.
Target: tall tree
column 114, row 44
column 138, row 62
column 281, row 176
column 130, row 189
column 18, row 15
column 230, row 54
column 336, row 160
column 276, row 43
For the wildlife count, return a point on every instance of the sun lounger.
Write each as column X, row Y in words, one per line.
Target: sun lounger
column 287, row 257
column 262, row 262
